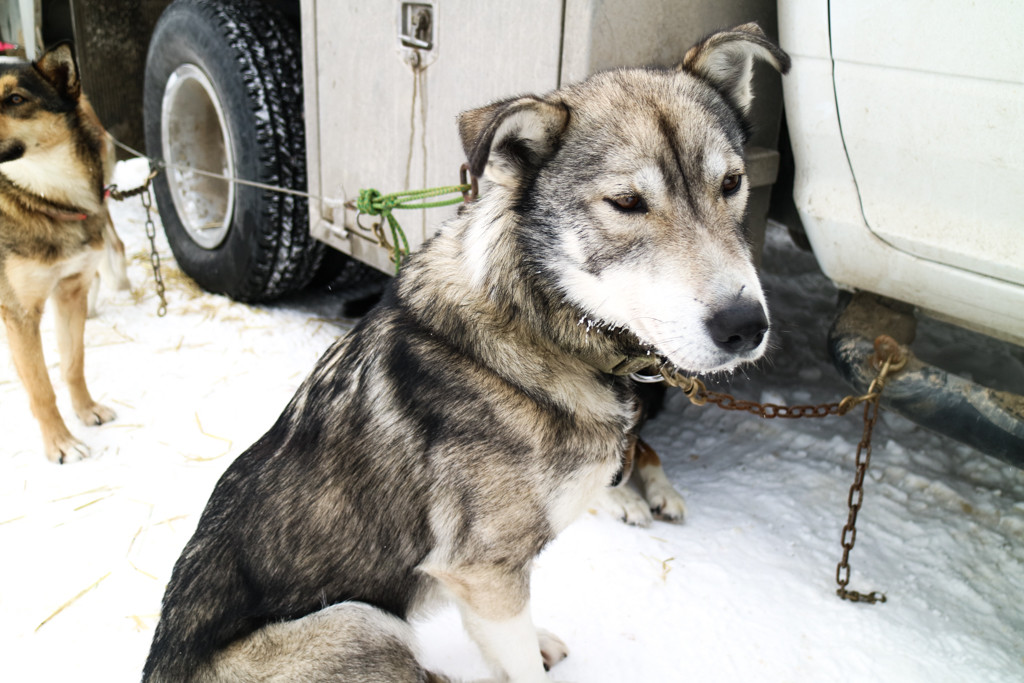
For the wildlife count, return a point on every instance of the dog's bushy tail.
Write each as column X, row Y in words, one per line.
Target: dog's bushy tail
column 351, row 641
column 114, row 266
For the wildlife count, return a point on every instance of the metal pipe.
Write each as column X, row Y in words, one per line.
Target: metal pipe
column 991, row 421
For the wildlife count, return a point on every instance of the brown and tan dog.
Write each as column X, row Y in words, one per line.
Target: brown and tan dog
column 54, row 231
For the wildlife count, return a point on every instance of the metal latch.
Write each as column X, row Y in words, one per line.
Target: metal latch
column 416, row 28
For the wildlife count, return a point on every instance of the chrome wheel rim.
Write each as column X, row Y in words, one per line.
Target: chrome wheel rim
column 195, row 137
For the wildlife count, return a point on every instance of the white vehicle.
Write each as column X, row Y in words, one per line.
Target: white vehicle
column 904, row 122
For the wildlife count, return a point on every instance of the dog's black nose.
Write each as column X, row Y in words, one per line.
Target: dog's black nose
column 740, row 327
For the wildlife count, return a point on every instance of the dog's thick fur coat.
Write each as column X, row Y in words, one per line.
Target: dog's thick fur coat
column 54, row 231
column 473, row 414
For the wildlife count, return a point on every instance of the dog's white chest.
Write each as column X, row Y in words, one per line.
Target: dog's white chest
column 30, row 282
column 578, row 494
column 47, row 173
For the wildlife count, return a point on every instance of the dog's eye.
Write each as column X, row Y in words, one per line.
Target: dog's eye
column 731, row 183
column 630, row 203
column 15, row 99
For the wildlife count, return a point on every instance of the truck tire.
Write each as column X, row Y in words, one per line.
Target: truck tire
column 223, row 94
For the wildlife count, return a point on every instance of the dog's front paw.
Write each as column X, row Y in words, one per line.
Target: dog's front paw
column 552, row 649
column 64, row 448
column 626, row 504
column 666, row 503
column 95, row 414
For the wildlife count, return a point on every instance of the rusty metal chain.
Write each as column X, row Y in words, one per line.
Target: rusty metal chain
column 888, row 358
column 700, row 395
column 145, row 192
column 891, row 359
column 854, row 500
column 771, row 410
column 154, row 255
column 120, row 195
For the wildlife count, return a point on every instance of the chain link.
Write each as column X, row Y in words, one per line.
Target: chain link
column 121, row 195
column 894, row 360
column 154, row 256
column 700, row 395
column 145, row 192
column 888, row 358
column 771, row 410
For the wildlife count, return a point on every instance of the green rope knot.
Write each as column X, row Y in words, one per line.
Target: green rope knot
column 373, row 203
column 365, row 202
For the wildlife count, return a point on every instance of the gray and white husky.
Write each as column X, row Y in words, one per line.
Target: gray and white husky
column 485, row 402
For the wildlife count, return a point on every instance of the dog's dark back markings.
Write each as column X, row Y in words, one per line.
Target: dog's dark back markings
column 481, row 407
column 355, row 543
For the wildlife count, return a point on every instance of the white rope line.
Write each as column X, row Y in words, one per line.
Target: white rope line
column 252, row 183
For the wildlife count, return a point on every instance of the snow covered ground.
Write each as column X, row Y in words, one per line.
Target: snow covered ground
column 743, row 591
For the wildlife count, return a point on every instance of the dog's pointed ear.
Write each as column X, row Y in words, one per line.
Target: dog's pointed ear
column 512, row 135
column 57, row 66
column 726, row 60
